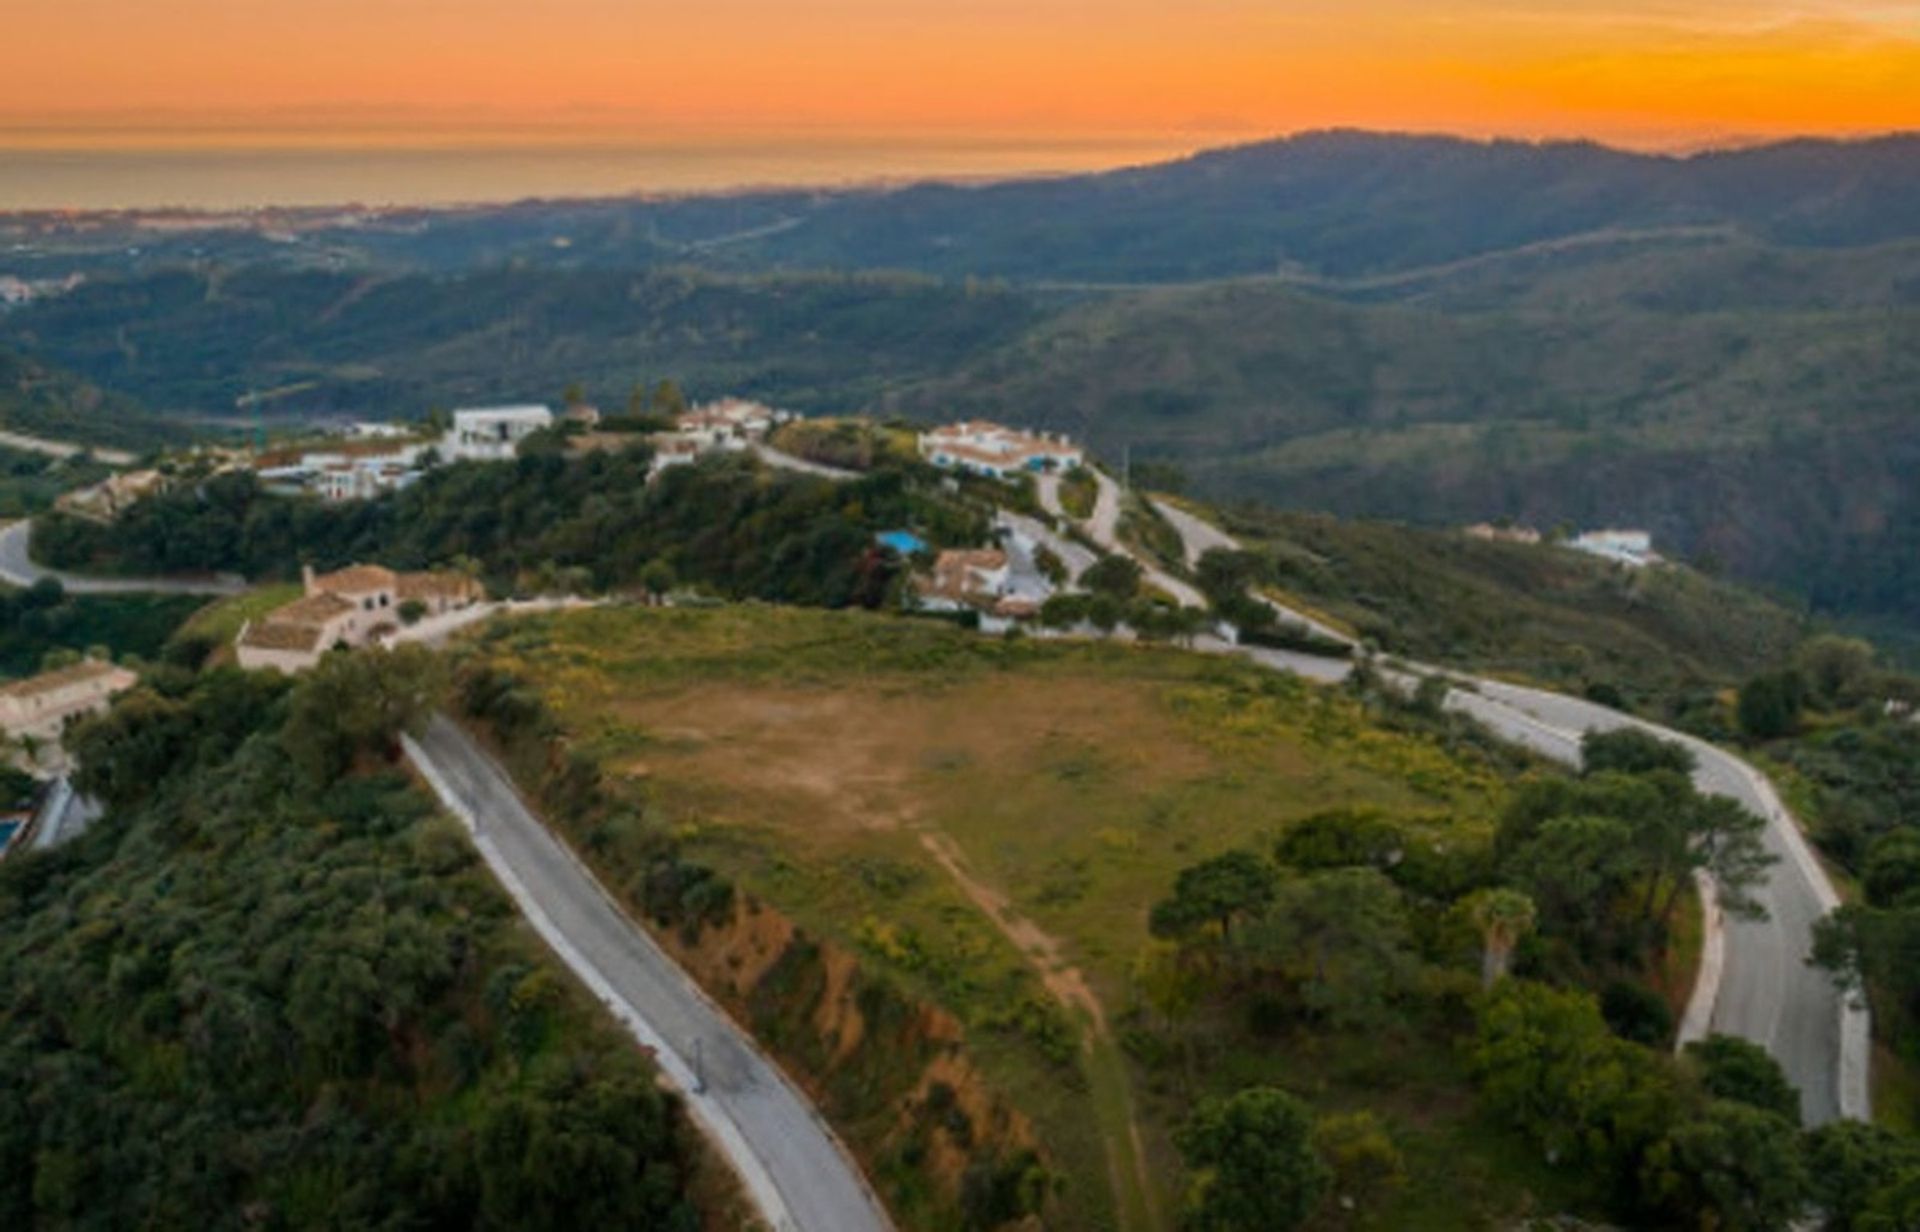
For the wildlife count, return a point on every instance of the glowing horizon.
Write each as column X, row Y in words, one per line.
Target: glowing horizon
column 1638, row 73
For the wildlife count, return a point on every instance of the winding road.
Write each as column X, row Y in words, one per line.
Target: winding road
column 1759, row 985
column 17, row 569
column 1104, row 529
column 790, row 1163
column 27, row 443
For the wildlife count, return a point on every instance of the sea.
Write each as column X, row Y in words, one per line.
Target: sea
column 39, row 176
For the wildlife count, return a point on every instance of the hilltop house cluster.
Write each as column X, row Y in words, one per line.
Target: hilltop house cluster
column 726, row 425
column 347, row 608
column 1001, row 584
column 382, row 458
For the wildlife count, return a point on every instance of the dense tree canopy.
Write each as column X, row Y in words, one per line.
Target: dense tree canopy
column 727, row 524
column 1254, row 1163
column 249, row 997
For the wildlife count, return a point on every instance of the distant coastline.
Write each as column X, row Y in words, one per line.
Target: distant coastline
column 89, row 177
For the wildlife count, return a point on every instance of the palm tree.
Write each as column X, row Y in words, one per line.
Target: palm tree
column 1503, row 916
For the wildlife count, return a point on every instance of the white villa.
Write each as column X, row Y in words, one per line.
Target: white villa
column 1632, row 548
column 999, row 452
column 493, row 434
column 366, row 477
column 964, row 579
column 729, row 425
column 40, row 706
column 349, row 607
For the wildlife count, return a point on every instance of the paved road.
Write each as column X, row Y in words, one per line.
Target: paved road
column 788, row 462
column 786, row 1157
column 1076, row 558
column 435, row 630
column 63, row 449
column 1104, row 529
column 1766, row 993
column 63, row 815
column 1199, row 537
column 17, row 569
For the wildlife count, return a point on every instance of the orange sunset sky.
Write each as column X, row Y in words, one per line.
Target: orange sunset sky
column 1637, row 72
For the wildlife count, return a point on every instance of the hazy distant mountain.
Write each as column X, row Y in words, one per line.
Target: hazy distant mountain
column 1723, row 347
column 1338, row 205
column 1344, row 204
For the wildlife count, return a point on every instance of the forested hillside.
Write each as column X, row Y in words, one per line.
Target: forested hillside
column 272, row 989
column 38, row 399
column 1719, row 349
column 546, row 521
column 1325, row 204
column 382, row 343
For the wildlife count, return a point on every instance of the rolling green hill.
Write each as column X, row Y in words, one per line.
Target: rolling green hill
column 194, row 341
column 1720, row 349
column 1778, row 443
column 258, row 994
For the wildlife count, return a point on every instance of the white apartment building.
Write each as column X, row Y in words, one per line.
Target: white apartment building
column 492, row 434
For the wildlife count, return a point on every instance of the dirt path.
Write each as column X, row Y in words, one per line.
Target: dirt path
column 1113, row 1095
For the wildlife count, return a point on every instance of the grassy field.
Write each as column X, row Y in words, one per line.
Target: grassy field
column 220, row 622
column 1666, row 640
column 989, row 821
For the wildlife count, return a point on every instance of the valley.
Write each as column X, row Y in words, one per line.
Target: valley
column 1215, row 783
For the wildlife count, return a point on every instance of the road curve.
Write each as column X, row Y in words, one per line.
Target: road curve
column 1104, row 529
column 1199, row 537
column 1767, row 992
column 785, row 461
column 786, row 1157
column 17, row 569
column 27, row 443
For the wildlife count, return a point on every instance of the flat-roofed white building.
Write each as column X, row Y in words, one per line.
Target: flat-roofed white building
column 493, row 434
column 1632, row 548
column 980, row 447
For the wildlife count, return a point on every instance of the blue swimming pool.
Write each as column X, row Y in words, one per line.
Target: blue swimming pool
column 904, row 542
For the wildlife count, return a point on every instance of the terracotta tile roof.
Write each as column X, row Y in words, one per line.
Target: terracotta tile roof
column 953, row 575
column 274, row 635
column 356, row 580
column 435, row 585
column 60, row 678
column 315, row 609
